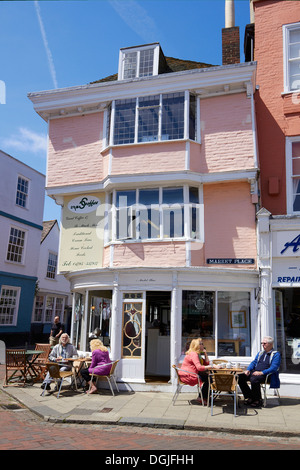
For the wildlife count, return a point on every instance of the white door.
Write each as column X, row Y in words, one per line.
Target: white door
column 132, row 347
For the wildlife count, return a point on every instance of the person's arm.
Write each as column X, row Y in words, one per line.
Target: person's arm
column 197, row 363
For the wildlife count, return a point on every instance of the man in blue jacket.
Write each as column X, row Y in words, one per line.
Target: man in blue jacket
column 266, row 362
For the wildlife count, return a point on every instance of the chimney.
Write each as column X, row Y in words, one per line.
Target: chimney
column 230, row 36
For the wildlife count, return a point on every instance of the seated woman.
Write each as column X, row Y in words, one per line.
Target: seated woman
column 100, row 363
column 193, row 362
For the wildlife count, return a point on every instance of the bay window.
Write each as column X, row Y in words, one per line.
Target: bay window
column 152, row 118
column 157, row 213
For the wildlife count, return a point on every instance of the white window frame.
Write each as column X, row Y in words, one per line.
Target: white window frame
column 286, row 33
column 289, row 173
column 16, row 307
column 26, row 194
column 109, row 122
column 22, row 262
column 54, row 313
column 133, row 234
column 48, row 265
column 138, row 50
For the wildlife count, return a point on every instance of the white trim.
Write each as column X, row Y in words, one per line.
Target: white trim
column 145, row 180
column 286, row 72
column 289, row 173
column 202, row 81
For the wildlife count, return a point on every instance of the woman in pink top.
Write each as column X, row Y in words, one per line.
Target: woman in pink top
column 101, row 363
column 193, row 362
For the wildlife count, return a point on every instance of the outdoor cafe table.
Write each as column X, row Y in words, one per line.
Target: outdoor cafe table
column 34, row 354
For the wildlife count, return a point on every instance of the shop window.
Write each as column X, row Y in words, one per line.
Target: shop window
column 234, row 324
column 287, row 318
column 222, row 319
column 198, row 319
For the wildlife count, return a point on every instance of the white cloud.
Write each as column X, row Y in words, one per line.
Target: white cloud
column 46, row 45
column 27, row 141
column 137, row 18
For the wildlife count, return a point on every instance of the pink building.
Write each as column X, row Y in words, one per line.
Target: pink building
column 276, row 42
column 156, row 171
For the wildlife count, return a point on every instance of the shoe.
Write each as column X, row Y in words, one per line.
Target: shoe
column 200, row 401
column 248, row 402
column 47, row 387
column 256, row 404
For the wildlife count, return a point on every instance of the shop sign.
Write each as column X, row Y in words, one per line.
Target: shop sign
column 286, row 244
column 82, row 228
column 84, row 204
column 230, row 261
column 286, row 271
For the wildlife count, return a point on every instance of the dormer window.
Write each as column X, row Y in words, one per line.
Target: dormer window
column 137, row 62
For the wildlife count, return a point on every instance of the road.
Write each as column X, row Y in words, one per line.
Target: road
column 20, row 429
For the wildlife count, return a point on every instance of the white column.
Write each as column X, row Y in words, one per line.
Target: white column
column 116, row 318
column 175, row 330
column 265, row 267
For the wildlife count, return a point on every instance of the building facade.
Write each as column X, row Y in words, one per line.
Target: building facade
column 156, row 171
column 276, row 47
column 53, row 295
column 22, row 192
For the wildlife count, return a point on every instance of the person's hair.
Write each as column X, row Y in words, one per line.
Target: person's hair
column 269, row 339
column 97, row 344
column 97, row 332
column 194, row 346
column 64, row 334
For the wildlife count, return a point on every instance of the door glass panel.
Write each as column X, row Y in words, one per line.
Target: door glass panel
column 132, row 330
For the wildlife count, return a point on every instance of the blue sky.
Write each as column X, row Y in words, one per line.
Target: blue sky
column 60, row 43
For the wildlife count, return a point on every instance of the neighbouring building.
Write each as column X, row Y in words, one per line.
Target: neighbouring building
column 22, row 191
column 273, row 40
column 53, row 296
column 156, row 172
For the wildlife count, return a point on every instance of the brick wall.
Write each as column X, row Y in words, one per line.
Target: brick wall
column 231, row 45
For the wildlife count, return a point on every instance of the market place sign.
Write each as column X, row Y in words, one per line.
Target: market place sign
column 230, row 261
column 81, row 243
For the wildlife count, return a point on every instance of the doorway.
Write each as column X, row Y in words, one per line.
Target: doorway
column 157, row 345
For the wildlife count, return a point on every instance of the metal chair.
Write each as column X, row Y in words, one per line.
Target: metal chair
column 58, row 375
column 15, row 367
column 264, row 389
column 109, row 377
column 180, row 384
column 223, row 383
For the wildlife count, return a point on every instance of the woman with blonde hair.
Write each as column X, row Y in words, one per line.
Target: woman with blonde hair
column 101, row 363
column 193, row 362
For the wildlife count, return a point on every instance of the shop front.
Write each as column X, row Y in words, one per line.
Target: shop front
column 149, row 317
column 286, row 296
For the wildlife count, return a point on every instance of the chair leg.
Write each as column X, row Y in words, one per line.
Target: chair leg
column 111, row 389
column 178, row 389
column 60, row 385
column 116, row 385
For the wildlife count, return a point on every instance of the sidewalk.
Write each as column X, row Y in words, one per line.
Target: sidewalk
column 281, row 417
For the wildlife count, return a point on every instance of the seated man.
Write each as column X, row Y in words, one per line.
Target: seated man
column 60, row 352
column 266, row 362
